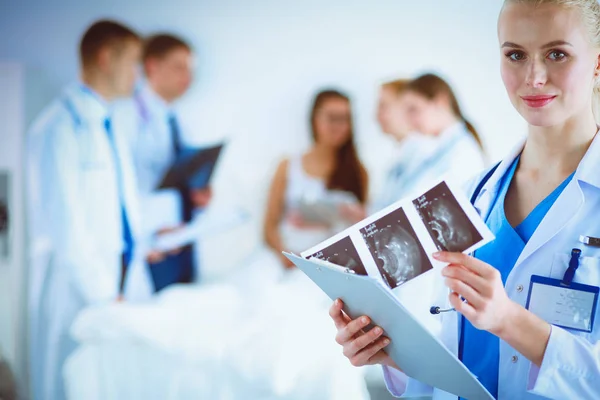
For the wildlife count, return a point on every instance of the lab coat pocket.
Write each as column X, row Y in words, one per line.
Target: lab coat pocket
column 588, row 273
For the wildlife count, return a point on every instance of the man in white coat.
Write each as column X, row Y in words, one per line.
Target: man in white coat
column 82, row 199
column 157, row 139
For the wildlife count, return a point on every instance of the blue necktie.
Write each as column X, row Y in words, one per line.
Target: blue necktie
column 127, row 235
column 175, row 135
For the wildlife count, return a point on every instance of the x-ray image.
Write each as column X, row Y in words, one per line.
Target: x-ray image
column 395, row 248
column 445, row 220
column 342, row 253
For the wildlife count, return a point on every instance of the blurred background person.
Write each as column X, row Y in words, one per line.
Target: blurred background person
column 246, row 89
column 8, row 385
column 157, row 141
column 83, row 200
column 393, row 122
column 243, row 356
column 435, row 141
column 329, row 167
column 456, row 153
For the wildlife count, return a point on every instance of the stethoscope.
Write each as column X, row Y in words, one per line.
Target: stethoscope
column 575, row 253
column 435, row 310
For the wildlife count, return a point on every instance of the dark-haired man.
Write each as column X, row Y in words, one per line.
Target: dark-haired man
column 82, row 198
column 157, row 140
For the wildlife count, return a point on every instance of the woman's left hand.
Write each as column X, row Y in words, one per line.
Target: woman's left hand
column 487, row 305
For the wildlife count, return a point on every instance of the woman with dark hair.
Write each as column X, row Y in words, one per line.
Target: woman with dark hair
column 259, row 345
column 330, row 169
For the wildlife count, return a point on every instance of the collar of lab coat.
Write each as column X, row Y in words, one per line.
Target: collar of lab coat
column 87, row 104
column 435, row 144
column 587, row 172
column 425, row 146
column 155, row 106
column 459, row 128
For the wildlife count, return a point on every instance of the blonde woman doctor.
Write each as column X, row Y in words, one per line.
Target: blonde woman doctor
column 543, row 204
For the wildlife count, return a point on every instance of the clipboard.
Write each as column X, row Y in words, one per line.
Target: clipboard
column 423, row 356
column 325, row 208
column 194, row 167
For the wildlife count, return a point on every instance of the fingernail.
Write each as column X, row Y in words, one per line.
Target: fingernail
column 377, row 331
column 437, row 254
column 364, row 320
column 337, row 302
column 386, row 342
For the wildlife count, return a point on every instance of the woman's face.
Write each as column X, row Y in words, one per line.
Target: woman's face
column 391, row 114
column 333, row 122
column 422, row 114
column 548, row 62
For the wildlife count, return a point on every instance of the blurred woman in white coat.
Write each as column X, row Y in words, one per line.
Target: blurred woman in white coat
column 543, row 204
column 435, row 140
column 82, row 201
column 453, row 150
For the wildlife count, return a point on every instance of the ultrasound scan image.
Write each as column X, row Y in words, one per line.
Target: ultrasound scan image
column 344, row 254
column 447, row 224
column 395, row 248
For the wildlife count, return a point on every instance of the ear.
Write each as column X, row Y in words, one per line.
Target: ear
column 150, row 66
column 104, row 58
column 442, row 101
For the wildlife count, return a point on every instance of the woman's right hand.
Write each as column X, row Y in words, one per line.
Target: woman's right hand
column 360, row 347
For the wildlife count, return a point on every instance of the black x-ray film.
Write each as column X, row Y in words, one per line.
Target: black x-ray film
column 395, row 248
column 396, row 243
column 448, row 225
column 193, row 168
column 344, row 254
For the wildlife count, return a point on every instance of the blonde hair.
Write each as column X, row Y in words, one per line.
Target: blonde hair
column 397, row 86
column 590, row 16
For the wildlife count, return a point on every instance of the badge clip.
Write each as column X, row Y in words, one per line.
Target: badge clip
column 573, row 265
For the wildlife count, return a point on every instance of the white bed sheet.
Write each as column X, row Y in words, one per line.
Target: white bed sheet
column 263, row 334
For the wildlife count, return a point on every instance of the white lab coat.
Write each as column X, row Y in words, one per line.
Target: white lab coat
column 454, row 156
column 145, row 119
column 75, row 236
column 571, row 365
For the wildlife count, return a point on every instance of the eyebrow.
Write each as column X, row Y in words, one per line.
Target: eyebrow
column 547, row 45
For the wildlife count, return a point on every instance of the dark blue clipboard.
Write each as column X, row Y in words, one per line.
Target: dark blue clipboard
column 192, row 168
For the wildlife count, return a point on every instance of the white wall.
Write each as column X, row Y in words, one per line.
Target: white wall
column 259, row 63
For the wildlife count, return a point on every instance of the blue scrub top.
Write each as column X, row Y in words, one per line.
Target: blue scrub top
column 481, row 349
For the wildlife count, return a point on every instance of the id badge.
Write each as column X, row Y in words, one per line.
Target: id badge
column 567, row 306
